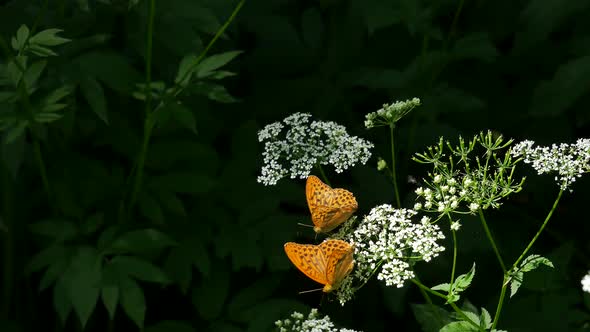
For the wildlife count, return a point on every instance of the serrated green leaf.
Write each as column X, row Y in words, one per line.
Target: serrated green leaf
column 169, row 326
column 150, row 208
column 534, row 261
column 48, row 37
column 216, row 61
column 516, row 282
column 33, row 73
column 132, row 301
column 94, row 94
column 86, row 269
column 139, row 268
column 472, row 316
column 21, row 36
column 182, row 182
column 485, row 319
column 463, row 281
column 431, row 317
column 213, row 91
column 459, row 327
column 141, row 241
column 58, row 229
column 443, row 287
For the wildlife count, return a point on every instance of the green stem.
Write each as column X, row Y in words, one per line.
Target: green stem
column 526, row 250
column 393, row 168
column 491, row 239
column 147, row 127
column 454, row 256
column 453, row 305
column 323, row 175
column 500, row 303
column 515, row 265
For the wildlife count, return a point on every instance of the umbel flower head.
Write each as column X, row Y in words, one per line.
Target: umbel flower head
column 390, row 113
column 299, row 323
column 297, row 144
column 387, row 242
column 570, row 161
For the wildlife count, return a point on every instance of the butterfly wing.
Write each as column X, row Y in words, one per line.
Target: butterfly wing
column 329, row 207
column 309, row 259
column 340, row 262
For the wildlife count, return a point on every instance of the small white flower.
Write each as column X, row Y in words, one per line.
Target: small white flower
column 473, row 207
column 586, row 283
column 390, row 113
column 455, row 225
column 294, row 147
column 437, row 178
column 313, row 323
column 417, row 206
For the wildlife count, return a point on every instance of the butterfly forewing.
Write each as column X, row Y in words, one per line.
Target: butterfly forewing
column 309, row 259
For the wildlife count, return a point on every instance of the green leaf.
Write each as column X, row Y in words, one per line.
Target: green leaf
column 170, row 326
column 86, row 269
column 132, row 301
column 472, row 316
column 185, row 69
column 183, row 116
column 109, row 290
column 41, row 51
column 171, row 202
column 210, row 64
column 443, row 287
column 251, row 296
column 213, row 91
column 141, row 241
column 16, row 132
column 53, row 272
column 48, row 38
column 476, row 46
column 150, row 208
column 61, row 298
column 178, row 266
column 431, row 317
column 107, row 237
column 211, row 295
column 33, row 73
column 21, row 37
column 94, row 94
column 59, row 230
column 485, row 319
column 463, row 281
column 49, row 117
column 182, row 182
column 46, row 257
column 92, row 223
column 534, row 261
column 459, row 327
column 139, row 269
column 58, row 94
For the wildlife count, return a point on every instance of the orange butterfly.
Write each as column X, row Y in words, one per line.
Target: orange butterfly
column 329, row 207
column 327, row 263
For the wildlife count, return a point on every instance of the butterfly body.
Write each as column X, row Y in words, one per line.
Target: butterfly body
column 329, row 207
column 327, row 263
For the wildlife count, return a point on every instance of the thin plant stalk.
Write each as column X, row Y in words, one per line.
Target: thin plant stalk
column 393, row 167
column 491, row 239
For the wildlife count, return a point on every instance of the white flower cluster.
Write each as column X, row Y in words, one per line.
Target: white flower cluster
column 570, row 161
column 388, row 239
column 307, row 144
column 586, row 283
column 390, row 113
column 310, row 324
column 446, row 194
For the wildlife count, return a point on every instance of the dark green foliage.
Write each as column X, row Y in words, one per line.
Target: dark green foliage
column 129, row 201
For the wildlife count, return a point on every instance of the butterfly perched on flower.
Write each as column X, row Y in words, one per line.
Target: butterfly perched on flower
column 329, row 207
column 327, row 263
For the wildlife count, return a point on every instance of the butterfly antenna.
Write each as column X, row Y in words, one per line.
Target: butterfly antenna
column 310, row 291
column 306, row 225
